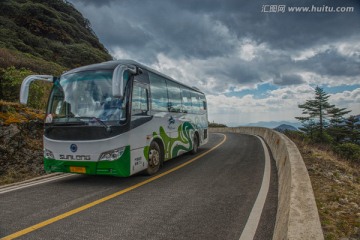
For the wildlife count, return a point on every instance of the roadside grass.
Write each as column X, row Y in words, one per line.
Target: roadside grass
column 13, row 113
column 336, row 185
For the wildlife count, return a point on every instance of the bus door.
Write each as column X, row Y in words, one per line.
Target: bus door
column 140, row 116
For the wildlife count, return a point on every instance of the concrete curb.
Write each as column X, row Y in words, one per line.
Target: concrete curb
column 297, row 215
column 30, row 180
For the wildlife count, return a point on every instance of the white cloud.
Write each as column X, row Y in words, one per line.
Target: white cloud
column 280, row 104
column 347, row 99
column 119, row 53
column 248, row 49
column 349, row 48
column 307, row 53
column 327, row 80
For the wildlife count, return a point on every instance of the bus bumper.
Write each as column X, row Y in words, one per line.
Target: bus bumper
column 119, row 167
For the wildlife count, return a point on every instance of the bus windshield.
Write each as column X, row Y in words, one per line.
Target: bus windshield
column 85, row 96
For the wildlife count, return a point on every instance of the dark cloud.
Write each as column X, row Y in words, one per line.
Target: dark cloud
column 212, row 30
column 122, row 33
column 188, row 34
column 332, row 63
column 93, row 2
column 184, row 24
column 291, row 79
column 299, row 30
column 287, row 30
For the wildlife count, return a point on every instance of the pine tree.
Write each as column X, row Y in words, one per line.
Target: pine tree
column 337, row 128
column 317, row 110
column 353, row 128
column 309, row 127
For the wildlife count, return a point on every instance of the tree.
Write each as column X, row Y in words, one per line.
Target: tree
column 216, row 125
column 337, row 128
column 317, row 112
column 352, row 125
column 309, row 127
column 11, row 79
column 11, row 82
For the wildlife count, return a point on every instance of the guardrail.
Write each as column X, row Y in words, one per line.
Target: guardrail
column 297, row 215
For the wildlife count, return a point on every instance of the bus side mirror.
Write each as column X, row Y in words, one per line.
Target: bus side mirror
column 120, row 78
column 25, row 85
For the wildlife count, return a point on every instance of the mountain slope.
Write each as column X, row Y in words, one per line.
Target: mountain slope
column 285, row 127
column 42, row 37
column 53, row 30
column 274, row 124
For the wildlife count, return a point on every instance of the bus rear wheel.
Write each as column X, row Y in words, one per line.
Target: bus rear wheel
column 195, row 144
column 155, row 158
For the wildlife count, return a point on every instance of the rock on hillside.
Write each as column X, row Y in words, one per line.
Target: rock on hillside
column 21, row 152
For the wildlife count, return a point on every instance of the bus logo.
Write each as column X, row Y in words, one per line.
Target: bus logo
column 73, row 147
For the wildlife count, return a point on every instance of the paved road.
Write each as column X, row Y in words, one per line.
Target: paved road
column 210, row 198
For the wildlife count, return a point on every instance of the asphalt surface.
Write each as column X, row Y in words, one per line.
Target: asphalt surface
column 211, row 198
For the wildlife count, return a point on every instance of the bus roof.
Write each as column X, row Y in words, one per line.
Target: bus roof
column 111, row 65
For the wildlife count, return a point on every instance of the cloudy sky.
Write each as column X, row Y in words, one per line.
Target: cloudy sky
column 256, row 60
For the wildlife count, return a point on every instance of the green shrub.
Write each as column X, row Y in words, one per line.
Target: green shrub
column 11, row 79
column 324, row 138
column 216, row 125
column 348, row 151
column 296, row 134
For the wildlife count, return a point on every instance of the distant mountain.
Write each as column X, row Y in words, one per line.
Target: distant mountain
column 285, row 127
column 274, row 124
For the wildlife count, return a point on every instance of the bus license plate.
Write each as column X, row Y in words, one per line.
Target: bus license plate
column 78, row 169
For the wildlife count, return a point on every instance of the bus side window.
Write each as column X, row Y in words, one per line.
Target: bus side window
column 186, row 100
column 204, row 103
column 159, row 95
column 198, row 102
column 195, row 103
column 140, row 105
column 174, row 93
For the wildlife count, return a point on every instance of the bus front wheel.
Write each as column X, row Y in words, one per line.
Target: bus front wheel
column 155, row 157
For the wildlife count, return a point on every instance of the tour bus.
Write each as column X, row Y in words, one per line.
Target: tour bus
column 119, row 118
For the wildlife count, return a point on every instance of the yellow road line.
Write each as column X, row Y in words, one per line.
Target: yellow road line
column 104, row 199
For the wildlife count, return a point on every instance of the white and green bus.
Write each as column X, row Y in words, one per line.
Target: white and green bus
column 119, row 118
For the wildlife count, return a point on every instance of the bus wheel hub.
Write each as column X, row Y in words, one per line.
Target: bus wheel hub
column 154, row 158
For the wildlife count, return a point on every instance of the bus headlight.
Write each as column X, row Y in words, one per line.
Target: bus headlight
column 112, row 155
column 48, row 154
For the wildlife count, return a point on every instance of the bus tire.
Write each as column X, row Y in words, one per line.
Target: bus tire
column 155, row 158
column 195, row 144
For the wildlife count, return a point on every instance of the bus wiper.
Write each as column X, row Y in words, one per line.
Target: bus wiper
column 68, row 122
column 107, row 127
